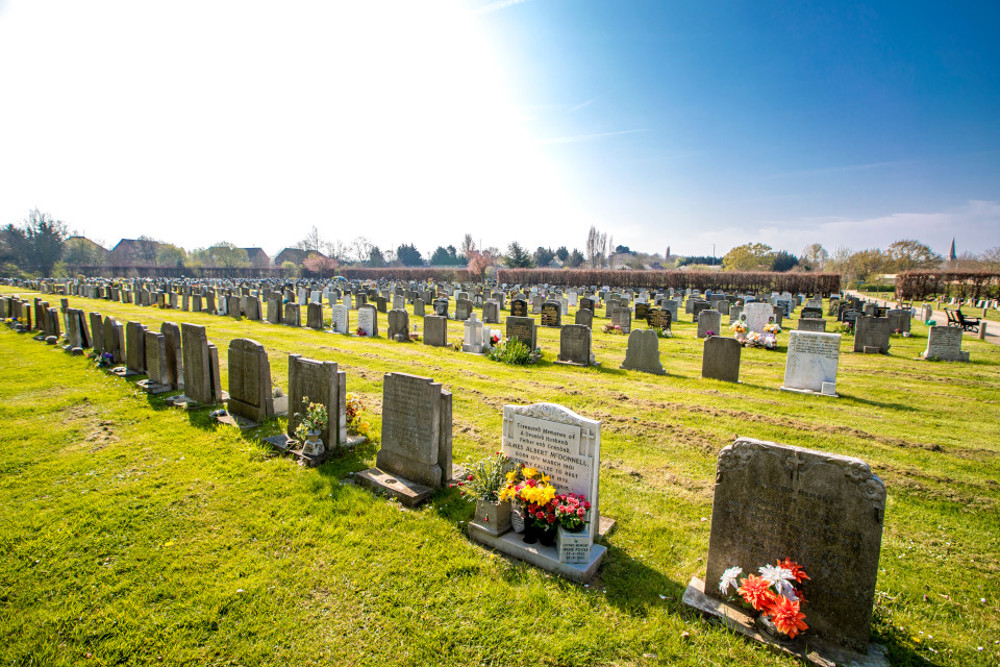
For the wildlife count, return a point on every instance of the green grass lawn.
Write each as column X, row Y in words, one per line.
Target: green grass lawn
column 133, row 533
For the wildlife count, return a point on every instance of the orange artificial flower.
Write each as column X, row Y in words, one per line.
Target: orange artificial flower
column 796, row 569
column 757, row 592
column 786, row 616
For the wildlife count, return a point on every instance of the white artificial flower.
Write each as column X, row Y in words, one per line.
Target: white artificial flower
column 780, row 578
column 729, row 579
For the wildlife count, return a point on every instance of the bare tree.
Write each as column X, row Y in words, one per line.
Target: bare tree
column 312, row 241
column 597, row 248
column 468, row 246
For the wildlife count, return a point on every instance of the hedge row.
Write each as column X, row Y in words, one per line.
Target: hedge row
column 728, row 281
column 912, row 285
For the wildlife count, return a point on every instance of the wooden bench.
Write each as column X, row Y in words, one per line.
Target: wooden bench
column 967, row 323
column 952, row 319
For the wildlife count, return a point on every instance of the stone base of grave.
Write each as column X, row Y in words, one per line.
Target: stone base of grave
column 151, row 387
column 239, row 422
column 473, row 349
column 409, row 493
column 872, row 349
column 832, row 393
column 286, row 445
column 546, row 558
column 812, row 650
column 188, row 403
column 573, row 363
column 124, row 372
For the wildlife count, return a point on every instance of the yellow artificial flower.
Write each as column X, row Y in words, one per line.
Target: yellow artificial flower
column 545, row 478
column 530, row 473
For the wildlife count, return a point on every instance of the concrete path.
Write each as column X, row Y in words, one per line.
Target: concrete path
column 992, row 326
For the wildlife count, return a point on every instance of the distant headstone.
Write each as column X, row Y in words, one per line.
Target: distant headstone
column 758, row 314
column 709, row 320
column 584, row 316
column 643, row 353
column 435, row 330
column 491, row 312
column 399, row 325
column 812, row 324
column 523, row 329
column 721, row 359
column 292, row 315
column 899, row 320
column 945, row 343
column 368, row 320
column 322, row 383
column 621, row 317
column 135, row 348
column 314, row 315
column 811, row 364
column 463, row 308
column 551, row 314
column 519, row 308
column 871, row 335
column 156, row 359
column 340, row 317
column 473, row 335
column 173, row 360
column 419, row 310
column 574, row 345
column 201, row 365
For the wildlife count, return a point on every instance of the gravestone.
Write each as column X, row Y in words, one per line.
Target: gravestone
column 174, row 357
column 523, row 329
column 551, row 314
column 709, row 320
column 274, row 309
column 399, row 325
column 899, row 320
column 871, row 335
column 561, row 444
column 201, row 366
column 322, row 383
column 233, row 307
column 621, row 317
column 415, row 456
column 812, row 324
column 821, row 510
column 584, row 317
column 97, row 332
column 441, row 307
column 536, row 304
column 574, row 345
column 156, row 367
column 697, row 306
column 473, row 336
column 292, row 315
column 643, row 353
column 368, row 320
column 491, row 312
column 314, row 316
column 811, row 313
column 659, row 318
column 758, row 314
column 250, row 393
column 945, row 343
column 435, row 330
column 586, row 303
column 135, row 348
column 641, row 310
column 519, row 308
column 734, row 313
column 811, row 364
column 721, row 359
column 419, row 310
column 340, row 317
column 463, row 308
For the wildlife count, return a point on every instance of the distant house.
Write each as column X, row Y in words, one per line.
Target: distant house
column 295, row 255
column 80, row 251
column 258, row 258
column 134, row 252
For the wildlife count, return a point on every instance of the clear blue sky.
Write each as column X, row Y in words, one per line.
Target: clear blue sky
column 661, row 123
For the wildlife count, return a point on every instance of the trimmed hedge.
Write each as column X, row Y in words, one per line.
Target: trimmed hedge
column 730, row 281
column 965, row 284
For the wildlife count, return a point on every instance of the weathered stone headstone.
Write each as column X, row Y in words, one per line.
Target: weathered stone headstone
column 436, row 330
column 340, row 319
column 621, row 317
column 201, row 365
column 584, row 316
column 399, row 325
column 899, row 320
column 368, row 320
column 709, row 320
column 821, row 510
column 292, row 316
column 135, row 347
column 945, row 343
column 156, row 360
column 812, row 324
column 523, row 329
column 586, row 303
column 463, row 308
column 323, row 383
column 491, row 312
column 871, row 335
column 415, row 456
column 441, row 308
column 174, row 358
column 274, row 309
column 574, row 345
column 811, row 364
column 419, row 309
column 250, row 393
column 314, row 316
column 643, row 353
column 97, row 332
column 721, row 359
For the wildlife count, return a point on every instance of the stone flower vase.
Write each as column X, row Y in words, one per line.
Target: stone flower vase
column 493, row 516
column 313, row 446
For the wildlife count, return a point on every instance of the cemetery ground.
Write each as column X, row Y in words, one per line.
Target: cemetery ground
column 135, row 533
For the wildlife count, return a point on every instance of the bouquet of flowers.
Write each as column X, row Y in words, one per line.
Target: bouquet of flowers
column 354, row 407
column 772, row 328
column 360, row 332
column 531, row 490
column 612, row 328
column 773, row 594
column 738, row 327
column 571, row 510
column 753, row 339
column 485, row 480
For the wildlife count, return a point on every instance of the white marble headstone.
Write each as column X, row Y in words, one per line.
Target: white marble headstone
column 811, row 364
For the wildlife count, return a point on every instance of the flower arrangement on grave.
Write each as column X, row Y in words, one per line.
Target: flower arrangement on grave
column 846, row 328
column 709, row 333
column 530, row 494
column 661, row 332
column 739, row 329
column 772, row 328
column 311, row 423
column 612, row 329
column 486, row 478
column 360, row 332
column 353, row 410
column 775, row 595
column 512, row 351
column 102, row 360
column 571, row 511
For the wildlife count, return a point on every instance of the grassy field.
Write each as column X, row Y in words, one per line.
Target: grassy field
column 133, row 533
